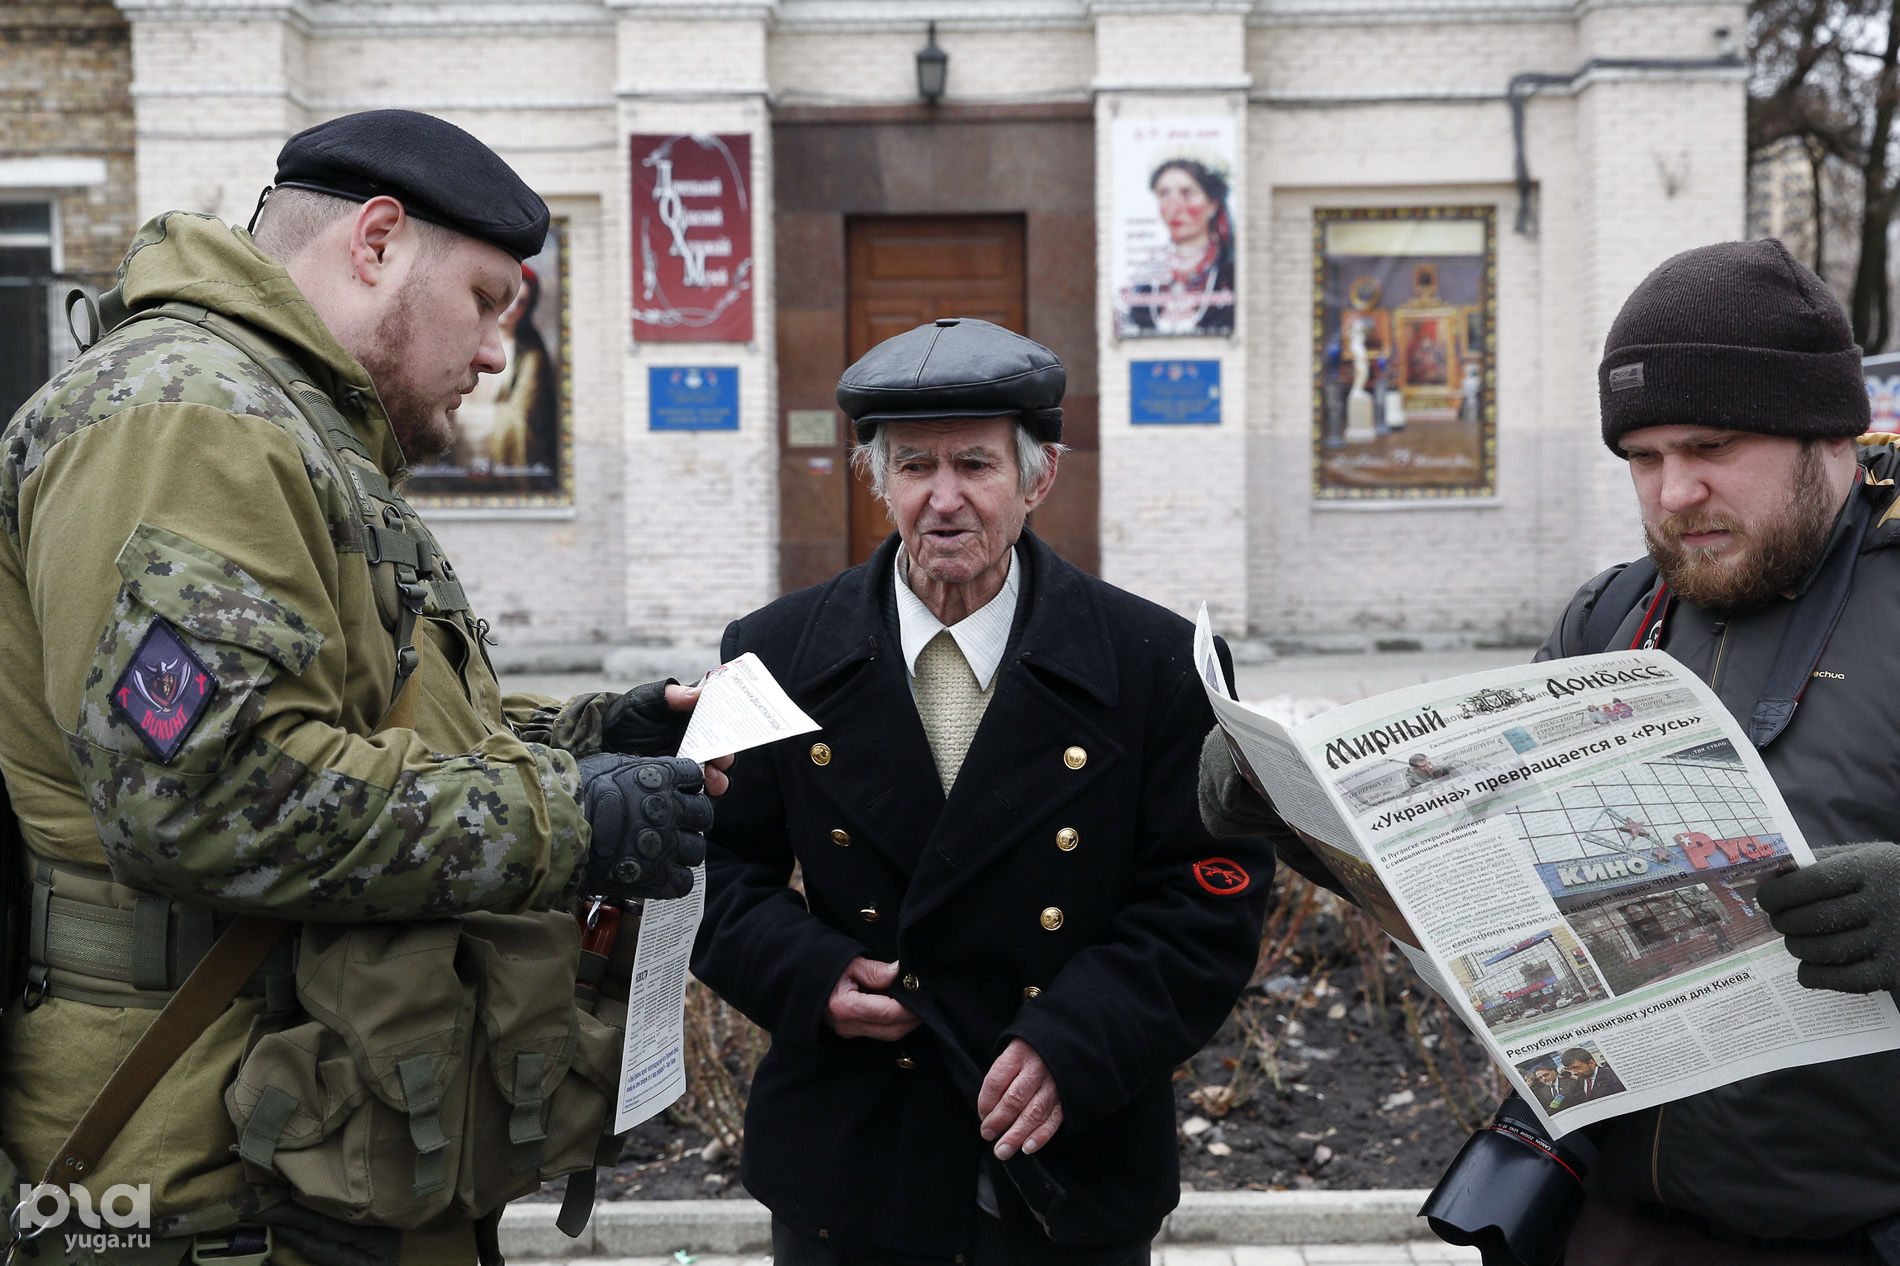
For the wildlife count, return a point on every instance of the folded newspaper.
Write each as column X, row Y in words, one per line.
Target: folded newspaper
column 1568, row 853
column 741, row 706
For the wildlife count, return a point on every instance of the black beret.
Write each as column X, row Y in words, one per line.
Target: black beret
column 436, row 170
column 956, row 367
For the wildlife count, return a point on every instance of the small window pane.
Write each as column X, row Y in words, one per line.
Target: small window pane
column 24, row 330
column 26, row 217
column 34, row 263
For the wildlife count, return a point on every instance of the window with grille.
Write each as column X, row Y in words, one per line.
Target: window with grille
column 27, row 301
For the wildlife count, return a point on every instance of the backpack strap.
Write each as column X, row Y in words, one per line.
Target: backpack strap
column 1614, row 604
column 199, row 1001
column 15, row 905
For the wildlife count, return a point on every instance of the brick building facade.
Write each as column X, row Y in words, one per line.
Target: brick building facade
column 66, row 171
column 867, row 203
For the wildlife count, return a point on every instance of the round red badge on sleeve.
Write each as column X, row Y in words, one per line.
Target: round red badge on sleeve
column 1222, row 876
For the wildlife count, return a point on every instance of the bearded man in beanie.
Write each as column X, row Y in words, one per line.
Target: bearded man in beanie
column 301, row 955
column 1731, row 386
column 1013, row 926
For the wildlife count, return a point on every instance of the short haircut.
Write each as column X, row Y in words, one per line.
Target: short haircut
column 873, row 459
column 292, row 218
column 1577, row 1055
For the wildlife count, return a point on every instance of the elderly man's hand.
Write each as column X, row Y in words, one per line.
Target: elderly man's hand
column 1019, row 1103
column 650, row 720
column 859, row 1007
column 684, row 699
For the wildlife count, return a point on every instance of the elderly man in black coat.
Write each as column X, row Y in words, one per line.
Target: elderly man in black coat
column 1013, row 926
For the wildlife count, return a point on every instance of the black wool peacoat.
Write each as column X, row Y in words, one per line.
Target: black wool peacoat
column 1066, row 893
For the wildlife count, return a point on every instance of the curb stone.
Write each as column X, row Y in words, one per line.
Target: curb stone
column 635, row 662
column 634, row 1228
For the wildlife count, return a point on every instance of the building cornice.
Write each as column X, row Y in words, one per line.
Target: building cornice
column 1268, row 13
column 709, row 10
column 857, row 17
column 1163, row 87
column 404, row 17
column 816, row 17
column 1168, row 8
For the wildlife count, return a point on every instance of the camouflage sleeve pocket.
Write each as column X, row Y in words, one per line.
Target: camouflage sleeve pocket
column 187, row 655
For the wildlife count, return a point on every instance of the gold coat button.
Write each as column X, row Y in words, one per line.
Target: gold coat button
column 906, row 1063
column 821, row 753
column 839, row 836
column 1074, row 758
column 1067, row 839
column 911, row 982
column 869, row 914
column 1051, row 919
column 1031, row 991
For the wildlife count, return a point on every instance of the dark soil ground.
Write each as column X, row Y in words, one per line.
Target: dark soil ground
column 1336, row 1070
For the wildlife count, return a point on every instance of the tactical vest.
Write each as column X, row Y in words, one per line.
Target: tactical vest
column 400, row 1070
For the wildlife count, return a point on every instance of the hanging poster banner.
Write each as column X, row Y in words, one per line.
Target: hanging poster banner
column 513, row 445
column 692, row 238
column 1173, row 246
column 1404, row 357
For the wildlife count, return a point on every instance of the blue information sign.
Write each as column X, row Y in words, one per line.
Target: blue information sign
column 1171, row 392
column 693, row 398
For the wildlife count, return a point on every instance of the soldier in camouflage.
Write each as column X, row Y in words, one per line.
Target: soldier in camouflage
column 223, row 696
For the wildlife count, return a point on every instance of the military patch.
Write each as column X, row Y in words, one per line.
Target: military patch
column 1222, row 876
column 163, row 691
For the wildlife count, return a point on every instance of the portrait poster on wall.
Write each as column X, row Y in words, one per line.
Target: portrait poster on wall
column 1174, row 245
column 692, row 238
column 1404, row 353
column 513, row 443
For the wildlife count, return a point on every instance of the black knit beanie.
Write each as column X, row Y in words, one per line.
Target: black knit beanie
column 1738, row 335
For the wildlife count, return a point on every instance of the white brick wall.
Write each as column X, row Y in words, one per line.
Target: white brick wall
column 692, row 56
column 673, row 534
column 1170, row 48
column 1457, row 59
column 830, row 67
column 1174, row 498
column 701, row 545
column 1624, row 178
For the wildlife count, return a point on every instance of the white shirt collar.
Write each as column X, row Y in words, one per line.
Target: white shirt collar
column 982, row 636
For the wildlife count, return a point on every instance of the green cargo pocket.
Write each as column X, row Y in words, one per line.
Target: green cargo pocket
column 544, row 1071
column 361, row 1110
column 444, row 1067
column 188, row 652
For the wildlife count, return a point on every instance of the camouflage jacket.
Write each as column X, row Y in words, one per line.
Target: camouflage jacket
column 196, row 676
column 169, row 521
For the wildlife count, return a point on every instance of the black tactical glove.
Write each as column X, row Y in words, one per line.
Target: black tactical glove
column 649, row 815
column 640, row 723
column 1841, row 917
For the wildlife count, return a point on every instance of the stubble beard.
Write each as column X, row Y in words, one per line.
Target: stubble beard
column 1774, row 557
column 421, row 429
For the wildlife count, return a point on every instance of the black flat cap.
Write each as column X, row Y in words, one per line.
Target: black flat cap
column 436, row 170
column 956, row 367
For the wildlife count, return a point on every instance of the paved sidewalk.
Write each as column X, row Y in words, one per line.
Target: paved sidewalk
column 1179, row 1255
column 1242, row 1228
column 1305, row 683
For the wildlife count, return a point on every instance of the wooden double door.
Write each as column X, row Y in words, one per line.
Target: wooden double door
column 905, row 271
